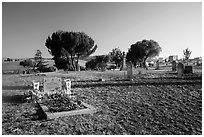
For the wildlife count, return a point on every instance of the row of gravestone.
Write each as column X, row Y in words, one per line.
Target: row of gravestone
column 181, row 69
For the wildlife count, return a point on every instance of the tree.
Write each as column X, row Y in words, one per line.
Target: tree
column 39, row 63
column 38, row 56
column 141, row 50
column 70, row 46
column 187, row 54
column 116, row 55
column 27, row 63
column 99, row 62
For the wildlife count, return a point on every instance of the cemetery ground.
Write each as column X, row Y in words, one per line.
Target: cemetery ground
column 156, row 103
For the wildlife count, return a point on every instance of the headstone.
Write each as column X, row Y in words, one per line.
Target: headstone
column 157, row 65
column 123, row 67
column 180, row 69
column 129, row 70
column 188, row 70
column 52, row 85
column 68, row 86
column 173, row 65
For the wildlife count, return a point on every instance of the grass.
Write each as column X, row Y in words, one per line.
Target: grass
column 156, row 103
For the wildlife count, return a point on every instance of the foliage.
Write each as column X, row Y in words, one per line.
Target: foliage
column 116, row 55
column 92, row 64
column 39, row 63
column 187, row 54
column 99, row 62
column 142, row 50
column 62, row 63
column 38, row 56
column 27, row 63
column 61, row 102
column 71, row 46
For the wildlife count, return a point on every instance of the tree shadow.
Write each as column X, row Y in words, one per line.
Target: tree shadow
column 16, row 87
column 13, row 99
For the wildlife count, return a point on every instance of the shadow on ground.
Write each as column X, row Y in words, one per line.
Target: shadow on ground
column 13, row 99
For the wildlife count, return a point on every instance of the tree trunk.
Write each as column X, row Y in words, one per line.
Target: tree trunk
column 77, row 63
column 73, row 65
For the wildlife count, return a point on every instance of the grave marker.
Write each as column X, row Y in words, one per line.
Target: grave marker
column 180, row 69
column 174, row 65
column 52, row 85
column 123, row 67
column 157, row 65
column 188, row 70
column 129, row 70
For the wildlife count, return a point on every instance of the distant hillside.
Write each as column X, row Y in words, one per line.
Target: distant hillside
column 9, row 66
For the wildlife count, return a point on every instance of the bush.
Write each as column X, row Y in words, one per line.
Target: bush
column 27, row 62
column 92, row 64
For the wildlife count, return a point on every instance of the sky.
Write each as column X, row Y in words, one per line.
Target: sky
column 175, row 26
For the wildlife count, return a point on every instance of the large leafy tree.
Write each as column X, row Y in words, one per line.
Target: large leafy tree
column 116, row 56
column 70, row 46
column 141, row 50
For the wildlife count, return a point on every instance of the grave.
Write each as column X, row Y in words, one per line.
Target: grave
column 188, row 70
column 174, row 65
column 157, row 65
column 123, row 67
column 180, row 70
column 129, row 70
column 52, row 85
column 55, row 90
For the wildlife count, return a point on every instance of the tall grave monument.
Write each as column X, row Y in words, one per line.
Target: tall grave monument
column 123, row 67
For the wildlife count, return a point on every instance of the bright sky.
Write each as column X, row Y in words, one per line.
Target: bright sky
column 175, row 26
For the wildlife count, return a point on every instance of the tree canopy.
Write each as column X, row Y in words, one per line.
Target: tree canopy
column 70, row 46
column 99, row 62
column 116, row 55
column 142, row 50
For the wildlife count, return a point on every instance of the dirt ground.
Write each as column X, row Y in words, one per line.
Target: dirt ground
column 152, row 104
